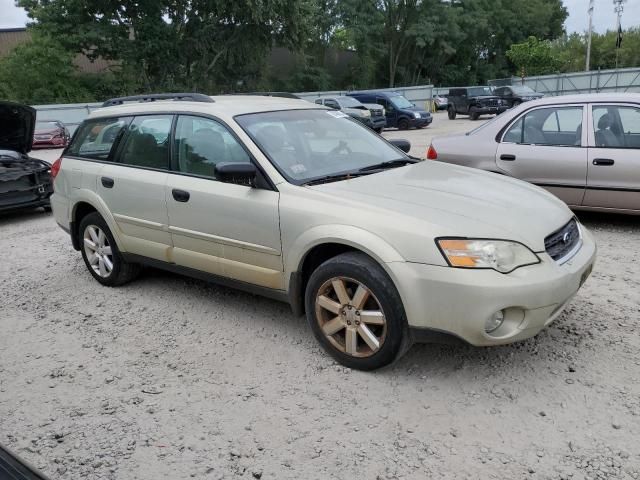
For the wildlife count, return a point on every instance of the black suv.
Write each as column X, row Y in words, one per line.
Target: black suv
column 514, row 95
column 473, row 101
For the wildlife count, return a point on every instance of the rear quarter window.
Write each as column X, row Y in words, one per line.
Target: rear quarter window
column 95, row 138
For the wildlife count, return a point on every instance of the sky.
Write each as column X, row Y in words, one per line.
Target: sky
column 603, row 17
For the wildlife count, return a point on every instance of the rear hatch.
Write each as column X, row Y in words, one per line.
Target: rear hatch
column 17, row 123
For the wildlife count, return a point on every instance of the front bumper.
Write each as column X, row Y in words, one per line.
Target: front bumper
column 458, row 301
column 421, row 122
column 489, row 110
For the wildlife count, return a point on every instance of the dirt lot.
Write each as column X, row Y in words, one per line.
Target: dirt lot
column 170, row 377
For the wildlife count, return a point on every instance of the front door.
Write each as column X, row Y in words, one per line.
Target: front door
column 390, row 112
column 546, row 146
column 613, row 179
column 222, row 228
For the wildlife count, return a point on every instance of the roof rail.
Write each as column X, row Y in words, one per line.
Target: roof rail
column 152, row 97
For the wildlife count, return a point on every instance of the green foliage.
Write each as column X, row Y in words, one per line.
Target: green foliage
column 571, row 50
column 533, row 57
column 40, row 71
column 218, row 46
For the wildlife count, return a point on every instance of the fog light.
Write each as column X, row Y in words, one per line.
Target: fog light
column 494, row 321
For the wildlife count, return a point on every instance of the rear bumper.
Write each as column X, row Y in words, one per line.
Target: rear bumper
column 458, row 302
column 31, row 204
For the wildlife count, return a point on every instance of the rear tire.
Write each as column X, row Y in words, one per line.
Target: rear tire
column 356, row 313
column 100, row 253
column 452, row 113
column 403, row 124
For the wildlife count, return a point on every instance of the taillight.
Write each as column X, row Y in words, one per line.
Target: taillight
column 431, row 153
column 55, row 167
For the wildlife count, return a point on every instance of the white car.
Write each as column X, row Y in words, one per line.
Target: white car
column 301, row 203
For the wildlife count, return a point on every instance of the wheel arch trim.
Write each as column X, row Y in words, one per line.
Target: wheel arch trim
column 94, row 200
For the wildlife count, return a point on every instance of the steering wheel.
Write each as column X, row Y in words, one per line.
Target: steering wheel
column 342, row 146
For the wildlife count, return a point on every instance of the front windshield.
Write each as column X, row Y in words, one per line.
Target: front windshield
column 400, row 102
column 309, row 144
column 522, row 89
column 349, row 102
column 480, row 91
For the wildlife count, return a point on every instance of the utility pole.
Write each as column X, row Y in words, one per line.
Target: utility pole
column 586, row 68
column 618, row 7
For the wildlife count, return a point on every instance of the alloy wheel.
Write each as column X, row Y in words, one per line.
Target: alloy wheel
column 98, row 251
column 350, row 316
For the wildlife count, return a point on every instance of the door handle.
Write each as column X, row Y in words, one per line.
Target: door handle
column 180, row 195
column 603, row 161
column 507, row 157
column 107, row 182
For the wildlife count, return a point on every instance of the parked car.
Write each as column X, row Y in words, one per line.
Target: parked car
column 582, row 148
column 24, row 181
column 400, row 112
column 440, row 101
column 473, row 101
column 354, row 109
column 50, row 133
column 514, row 95
column 298, row 202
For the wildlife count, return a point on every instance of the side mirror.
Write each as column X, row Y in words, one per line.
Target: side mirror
column 401, row 143
column 237, row 172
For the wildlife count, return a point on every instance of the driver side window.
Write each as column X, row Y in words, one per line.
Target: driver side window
column 202, row 143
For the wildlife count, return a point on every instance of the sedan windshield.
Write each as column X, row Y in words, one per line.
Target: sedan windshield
column 305, row 145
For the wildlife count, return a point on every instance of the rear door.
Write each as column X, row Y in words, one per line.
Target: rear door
column 133, row 187
column 547, row 146
column 613, row 179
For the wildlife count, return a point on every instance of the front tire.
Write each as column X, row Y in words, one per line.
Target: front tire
column 452, row 113
column 474, row 116
column 355, row 312
column 101, row 255
column 403, row 124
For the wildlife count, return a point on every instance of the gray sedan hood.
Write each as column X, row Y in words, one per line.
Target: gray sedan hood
column 17, row 123
column 457, row 201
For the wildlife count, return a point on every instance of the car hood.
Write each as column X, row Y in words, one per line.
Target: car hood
column 450, row 200
column 17, row 123
column 47, row 131
column 417, row 109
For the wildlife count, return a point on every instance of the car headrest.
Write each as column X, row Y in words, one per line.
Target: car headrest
column 604, row 122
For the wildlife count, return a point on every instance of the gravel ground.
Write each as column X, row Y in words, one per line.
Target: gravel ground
column 170, row 377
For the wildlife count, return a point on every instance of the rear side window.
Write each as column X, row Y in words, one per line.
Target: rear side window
column 95, row 138
column 147, row 142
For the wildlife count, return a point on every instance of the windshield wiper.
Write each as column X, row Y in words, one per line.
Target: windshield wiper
column 334, row 178
column 389, row 164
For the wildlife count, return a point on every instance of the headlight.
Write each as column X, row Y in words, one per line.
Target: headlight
column 416, row 114
column 365, row 113
column 501, row 255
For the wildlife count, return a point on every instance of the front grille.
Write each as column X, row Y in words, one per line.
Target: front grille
column 424, row 115
column 376, row 113
column 561, row 243
column 490, row 103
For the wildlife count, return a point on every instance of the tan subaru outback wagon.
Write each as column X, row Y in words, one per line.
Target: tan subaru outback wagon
column 301, row 203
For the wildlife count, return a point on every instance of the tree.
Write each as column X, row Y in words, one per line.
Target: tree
column 208, row 45
column 39, row 72
column 533, row 57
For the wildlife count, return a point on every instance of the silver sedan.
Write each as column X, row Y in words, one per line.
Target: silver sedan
column 585, row 149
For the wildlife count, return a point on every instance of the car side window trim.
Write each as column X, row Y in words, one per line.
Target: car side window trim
column 124, row 134
column 175, row 168
column 591, row 140
column 505, row 129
